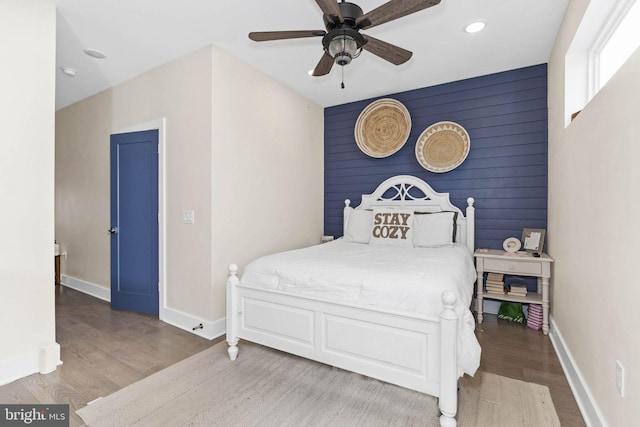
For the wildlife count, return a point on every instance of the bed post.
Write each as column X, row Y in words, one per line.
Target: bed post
column 232, row 312
column 471, row 224
column 345, row 216
column 448, row 402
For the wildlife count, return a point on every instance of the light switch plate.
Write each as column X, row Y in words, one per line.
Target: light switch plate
column 188, row 217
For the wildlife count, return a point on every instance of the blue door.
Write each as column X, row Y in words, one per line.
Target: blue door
column 134, row 221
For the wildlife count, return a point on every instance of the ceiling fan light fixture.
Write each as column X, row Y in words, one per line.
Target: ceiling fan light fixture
column 343, row 49
column 342, row 41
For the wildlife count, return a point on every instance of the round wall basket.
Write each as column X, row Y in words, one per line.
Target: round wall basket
column 382, row 128
column 442, row 147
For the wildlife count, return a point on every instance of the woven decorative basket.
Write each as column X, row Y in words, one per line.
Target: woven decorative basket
column 382, row 128
column 442, row 147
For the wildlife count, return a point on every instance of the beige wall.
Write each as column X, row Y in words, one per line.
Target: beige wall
column 594, row 199
column 268, row 179
column 27, row 88
column 222, row 137
column 178, row 91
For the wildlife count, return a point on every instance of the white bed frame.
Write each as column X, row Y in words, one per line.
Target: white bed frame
column 400, row 348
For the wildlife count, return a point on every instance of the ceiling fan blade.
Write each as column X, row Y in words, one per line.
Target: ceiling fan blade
column 393, row 9
column 324, row 66
column 264, row 36
column 394, row 54
column 331, row 9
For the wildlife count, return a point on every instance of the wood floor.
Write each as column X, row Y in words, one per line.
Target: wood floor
column 515, row 351
column 105, row 350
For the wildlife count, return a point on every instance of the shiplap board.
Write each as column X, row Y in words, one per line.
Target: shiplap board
column 505, row 115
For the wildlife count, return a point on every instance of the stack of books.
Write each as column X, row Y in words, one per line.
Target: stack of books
column 518, row 290
column 495, row 283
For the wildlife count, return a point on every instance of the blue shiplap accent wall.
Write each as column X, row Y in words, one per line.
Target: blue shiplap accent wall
column 505, row 115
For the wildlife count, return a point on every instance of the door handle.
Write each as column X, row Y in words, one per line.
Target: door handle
column 113, row 230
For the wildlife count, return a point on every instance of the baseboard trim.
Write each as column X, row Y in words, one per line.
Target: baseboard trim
column 177, row 318
column 88, row 288
column 588, row 407
column 43, row 360
column 49, row 357
column 187, row 322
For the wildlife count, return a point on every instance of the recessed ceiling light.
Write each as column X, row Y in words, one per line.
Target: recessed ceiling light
column 95, row 53
column 474, row 27
column 310, row 72
column 68, row 71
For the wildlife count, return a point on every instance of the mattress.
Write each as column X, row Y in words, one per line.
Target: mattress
column 407, row 280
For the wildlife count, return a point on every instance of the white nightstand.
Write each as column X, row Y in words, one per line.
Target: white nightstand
column 519, row 264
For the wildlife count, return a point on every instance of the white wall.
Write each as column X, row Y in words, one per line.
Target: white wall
column 27, row 88
column 594, row 199
column 236, row 143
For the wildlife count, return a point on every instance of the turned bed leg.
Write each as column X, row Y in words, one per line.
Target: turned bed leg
column 232, row 312
column 448, row 402
column 233, row 351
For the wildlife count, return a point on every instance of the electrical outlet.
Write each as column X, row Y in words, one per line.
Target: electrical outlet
column 620, row 378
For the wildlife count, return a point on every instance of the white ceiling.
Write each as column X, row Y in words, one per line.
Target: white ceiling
column 138, row 35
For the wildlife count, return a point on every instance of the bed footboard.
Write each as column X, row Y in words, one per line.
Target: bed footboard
column 415, row 353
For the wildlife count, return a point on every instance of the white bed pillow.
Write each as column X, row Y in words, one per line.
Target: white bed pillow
column 392, row 227
column 434, row 229
column 358, row 226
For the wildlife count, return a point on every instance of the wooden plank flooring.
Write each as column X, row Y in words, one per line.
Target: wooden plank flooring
column 104, row 350
column 515, row 351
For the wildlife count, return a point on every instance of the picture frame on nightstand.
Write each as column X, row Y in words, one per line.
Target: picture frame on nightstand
column 533, row 240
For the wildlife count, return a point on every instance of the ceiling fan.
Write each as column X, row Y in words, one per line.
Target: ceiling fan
column 342, row 40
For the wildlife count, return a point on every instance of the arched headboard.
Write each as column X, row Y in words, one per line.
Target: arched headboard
column 409, row 192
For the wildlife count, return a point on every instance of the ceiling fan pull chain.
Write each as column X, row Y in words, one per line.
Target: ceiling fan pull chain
column 342, row 83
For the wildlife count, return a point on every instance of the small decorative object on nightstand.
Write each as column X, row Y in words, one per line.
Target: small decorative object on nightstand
column 511, row 245
column 533, row 240
column 520, row 264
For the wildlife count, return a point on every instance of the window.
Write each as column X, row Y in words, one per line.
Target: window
column 615, row 43
column 606, row 38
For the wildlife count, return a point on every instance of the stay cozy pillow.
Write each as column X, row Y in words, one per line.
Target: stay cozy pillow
column 392, row 227
column 434, row 229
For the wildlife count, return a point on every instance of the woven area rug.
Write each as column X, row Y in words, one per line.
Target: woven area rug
column 265, row 387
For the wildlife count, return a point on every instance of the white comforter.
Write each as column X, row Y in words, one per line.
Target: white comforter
column 400, row 279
